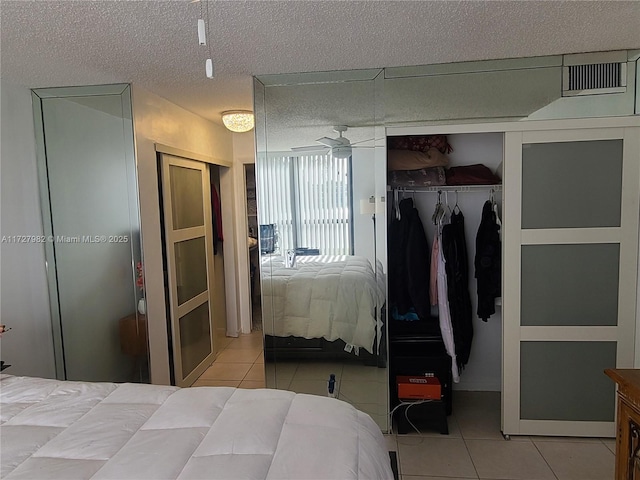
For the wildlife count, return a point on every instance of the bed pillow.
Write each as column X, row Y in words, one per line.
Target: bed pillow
column 420, row 143
column 414, row 160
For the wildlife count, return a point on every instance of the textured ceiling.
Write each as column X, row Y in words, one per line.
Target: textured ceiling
column 154, row 43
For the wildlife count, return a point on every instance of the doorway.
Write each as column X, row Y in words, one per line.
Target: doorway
column 253, row 245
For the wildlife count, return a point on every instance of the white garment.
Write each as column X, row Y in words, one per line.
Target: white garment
column 444, row 314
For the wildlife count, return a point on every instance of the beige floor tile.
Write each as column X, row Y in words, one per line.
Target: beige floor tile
column 578, row 461
column 215, row 383
column 454, row 429
column 260, row 357
column 318, row 371
column 392, row 443
column 280, row 375
column 239, row 355
column 499, row 459
column 566, row 439
column 251, row 384
column 312, row 387
column 246, row 341
column 381, row 421
column 480, row 422
column 435, row 457
column 226, row 371
column 256, row 373
column 221, row 345
column 361, row 391
column 610, row 443
column 360, row 372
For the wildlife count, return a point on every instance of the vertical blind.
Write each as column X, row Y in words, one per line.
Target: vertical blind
column 308, row 200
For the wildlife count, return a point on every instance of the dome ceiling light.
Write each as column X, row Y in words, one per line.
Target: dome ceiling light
column 238, row 121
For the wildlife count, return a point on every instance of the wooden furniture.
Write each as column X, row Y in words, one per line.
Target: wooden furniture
column 628, row 429
column 133, row 339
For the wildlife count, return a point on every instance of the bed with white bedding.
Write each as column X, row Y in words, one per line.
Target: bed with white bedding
column 52, row 429
column 323, row 297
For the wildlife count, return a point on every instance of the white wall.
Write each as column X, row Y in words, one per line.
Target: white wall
column 157, row 120
column 363, row 187
column 24, row 300
column 244, row 152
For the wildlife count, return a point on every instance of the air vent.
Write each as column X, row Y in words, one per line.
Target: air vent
column 584, row 76
column 597, row 75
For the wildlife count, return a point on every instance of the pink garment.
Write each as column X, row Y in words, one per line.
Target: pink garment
column 433, row 279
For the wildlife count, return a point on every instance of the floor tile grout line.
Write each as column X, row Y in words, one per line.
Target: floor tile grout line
column 464, row 440
column 545, row 460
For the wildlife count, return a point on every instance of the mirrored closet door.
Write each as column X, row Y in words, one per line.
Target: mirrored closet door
column 320, row 167
column 88, row 190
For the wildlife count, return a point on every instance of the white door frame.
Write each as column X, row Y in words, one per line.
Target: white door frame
column 173, row 236
column 515, row 237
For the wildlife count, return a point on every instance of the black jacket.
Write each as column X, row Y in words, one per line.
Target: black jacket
column 488, row 262
column 408, row 262
column 454, row 249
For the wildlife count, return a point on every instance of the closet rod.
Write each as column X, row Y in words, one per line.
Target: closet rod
column 448, row 188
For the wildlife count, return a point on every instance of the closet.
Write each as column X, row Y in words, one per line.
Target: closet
column 416, row 347
column 569, row 269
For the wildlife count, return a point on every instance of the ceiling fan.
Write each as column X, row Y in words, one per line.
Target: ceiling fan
column 340, row 147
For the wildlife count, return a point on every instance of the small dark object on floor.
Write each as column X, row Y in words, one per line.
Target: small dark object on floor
column 394, row 465
column 3, row 365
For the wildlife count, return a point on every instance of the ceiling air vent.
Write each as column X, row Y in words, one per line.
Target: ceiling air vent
column 594, row 73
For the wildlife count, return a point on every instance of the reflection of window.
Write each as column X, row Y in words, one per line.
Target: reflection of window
column 308, row 199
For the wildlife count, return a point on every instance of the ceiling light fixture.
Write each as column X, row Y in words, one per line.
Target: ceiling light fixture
column 209, row 68
column 203, row 26
column 238, row 121
column 202, row 33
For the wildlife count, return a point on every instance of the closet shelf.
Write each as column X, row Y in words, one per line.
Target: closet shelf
column 448, row 188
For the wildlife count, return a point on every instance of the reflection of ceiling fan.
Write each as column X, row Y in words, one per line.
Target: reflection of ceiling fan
column 340, row 147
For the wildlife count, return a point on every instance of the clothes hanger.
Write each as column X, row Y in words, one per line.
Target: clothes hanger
column 435, row 218
column 456, row 208
column 446, row 212
column 396, row 206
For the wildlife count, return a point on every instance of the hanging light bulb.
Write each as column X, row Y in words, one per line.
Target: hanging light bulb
column 209, row 68
column 202, row 34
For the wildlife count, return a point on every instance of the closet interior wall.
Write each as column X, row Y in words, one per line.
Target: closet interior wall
column 484, row 370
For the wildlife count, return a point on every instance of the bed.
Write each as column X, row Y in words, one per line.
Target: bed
column 334, row 298
column 77, row 430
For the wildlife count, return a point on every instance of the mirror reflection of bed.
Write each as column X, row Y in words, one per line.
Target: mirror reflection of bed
column 319, row 169
column 322, row 315
column 323, row 307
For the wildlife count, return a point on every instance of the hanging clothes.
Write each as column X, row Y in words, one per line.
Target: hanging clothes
column 444, row 315
column 408, row 263
column 488, row 261
column 216, row 213
column 454, row 250
column 433, row 277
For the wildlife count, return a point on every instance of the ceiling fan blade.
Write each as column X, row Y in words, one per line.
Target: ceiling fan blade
column 309, row 148
column 329, row 142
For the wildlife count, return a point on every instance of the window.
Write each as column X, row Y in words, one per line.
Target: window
column 308, row 199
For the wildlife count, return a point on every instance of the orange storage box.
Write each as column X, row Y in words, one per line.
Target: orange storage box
column 418, row 387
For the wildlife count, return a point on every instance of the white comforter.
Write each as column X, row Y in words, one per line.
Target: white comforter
column 322, row 297
column 72, row 430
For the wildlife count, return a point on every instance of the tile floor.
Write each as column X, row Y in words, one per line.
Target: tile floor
column 239, row 364
column 474, row 448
